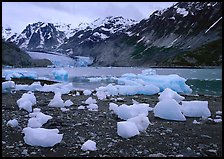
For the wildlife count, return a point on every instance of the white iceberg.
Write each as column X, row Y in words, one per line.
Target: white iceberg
column 37, row 118
column 42, row 137
column 127, row 129
column 92, row 107
column 68, row 103
column 16, row 73
column 56, row 101
column 141, row 121
column 26, row 101
column 89, row 145
column 113, row 107
column 87, row 92
column 170, row 94
column 168, row 109
column 195, row 108
column 60, row 75
column 90, row 100
column 8, row 86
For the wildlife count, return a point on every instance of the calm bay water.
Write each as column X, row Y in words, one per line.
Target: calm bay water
column 202, row 81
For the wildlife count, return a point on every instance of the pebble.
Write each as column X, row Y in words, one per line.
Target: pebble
column 24, row 152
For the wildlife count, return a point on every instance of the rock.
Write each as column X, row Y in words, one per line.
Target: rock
column 157, row 155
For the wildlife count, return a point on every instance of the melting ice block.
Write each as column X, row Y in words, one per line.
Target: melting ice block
column 19, row 74
column 42, row 137
column 169, row 109
column 141, row 121
column 170, row 94
column 89, row 145
column 27, row 101
column 127, row 129
column 56, row 101
column 195, row 108
column 37, row 118
column 61, row 75
column 8, row 86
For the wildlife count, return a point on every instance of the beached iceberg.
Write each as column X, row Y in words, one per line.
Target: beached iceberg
column 42, row 137
column 195, row 108
column 129, row 111
column 127, row 129
column 89, row 145
column 170, row 94
column 168, row 109
column 26, row 101
column 141, row 121
column 8, row 86
column 56, row 101
column 37, row 118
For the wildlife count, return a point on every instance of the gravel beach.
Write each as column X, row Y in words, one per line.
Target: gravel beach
column 163, row 138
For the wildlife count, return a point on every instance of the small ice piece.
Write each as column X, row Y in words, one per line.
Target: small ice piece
column 195, row 108
column 68, row 103
column 41, row 137
column 56, row 101
column 8, row 86
column 113, row 107
column 64, row 109
column 90, row 100
column 196, row 122
column 87, row 92
column 92, row 107
column 81, row 107
column 141, row 121
column 101, row 95
column 35, row 86
column 61, row 75
column 217, row 120
column 170, row 94
column 89, row 145
column 13, row 123
column 168, row 109
column 77, row 93
column 218, row 112
column 127, row 129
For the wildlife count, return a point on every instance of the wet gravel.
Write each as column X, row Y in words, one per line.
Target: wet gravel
column 163, row 138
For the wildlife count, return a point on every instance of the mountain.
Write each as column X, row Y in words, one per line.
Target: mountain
column 87, row 35
column 185, row 34
column 39, row 36
column 181, row 35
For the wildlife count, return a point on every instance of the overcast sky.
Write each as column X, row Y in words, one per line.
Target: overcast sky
column 18, row 15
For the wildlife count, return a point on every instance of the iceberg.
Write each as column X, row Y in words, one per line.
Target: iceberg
column 8, row 86
column 8, row 74
column 168, row 109
column 170, row 94
column 60, row 75
column 26, row 101
column 37, row 118
column 141, row 121
column 127, row 129
column 41, row 137
column 195, row 108
column 56, row 101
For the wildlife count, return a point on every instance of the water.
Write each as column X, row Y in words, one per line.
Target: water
column 202, row 81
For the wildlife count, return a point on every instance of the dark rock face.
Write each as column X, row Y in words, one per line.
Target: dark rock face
column 12, row 55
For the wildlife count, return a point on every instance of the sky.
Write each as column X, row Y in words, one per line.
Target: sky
column 18, row 15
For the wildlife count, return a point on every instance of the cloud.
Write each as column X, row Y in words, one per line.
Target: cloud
column 19, row 14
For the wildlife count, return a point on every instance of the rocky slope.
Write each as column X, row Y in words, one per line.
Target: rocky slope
column 14, row 56
column 184, row 28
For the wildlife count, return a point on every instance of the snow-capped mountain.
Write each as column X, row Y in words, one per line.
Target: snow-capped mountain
column 97, row 31
column 40, row 36
column 183, row 34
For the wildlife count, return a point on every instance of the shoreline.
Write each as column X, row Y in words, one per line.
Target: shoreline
column 163, row 138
